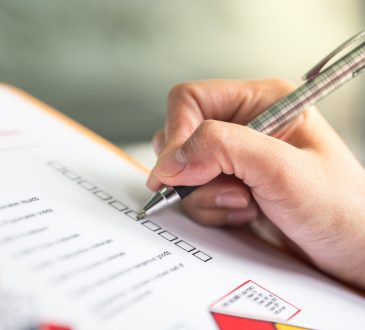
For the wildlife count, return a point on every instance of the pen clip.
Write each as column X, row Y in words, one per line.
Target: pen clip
column 314, row 72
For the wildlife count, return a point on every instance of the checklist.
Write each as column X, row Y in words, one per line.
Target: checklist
column 72, row 246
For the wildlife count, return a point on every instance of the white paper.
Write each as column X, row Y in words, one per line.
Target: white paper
column 70, row 243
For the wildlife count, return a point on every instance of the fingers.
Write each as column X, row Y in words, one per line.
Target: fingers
column 223, row 217
column 189, row 104
column 223, row 201
column 225, row 191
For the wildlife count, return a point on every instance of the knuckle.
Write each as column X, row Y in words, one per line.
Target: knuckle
column 209, row 129
column 211, row 139
column 181, row 90
column 206, row 136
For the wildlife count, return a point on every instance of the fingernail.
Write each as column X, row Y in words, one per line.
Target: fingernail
column 171, row 164
column 231, row 200
column 239, row 217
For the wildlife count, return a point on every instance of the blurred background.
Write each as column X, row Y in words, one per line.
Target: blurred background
column 109, row 64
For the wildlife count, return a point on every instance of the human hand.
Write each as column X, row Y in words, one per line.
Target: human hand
column 304, row 179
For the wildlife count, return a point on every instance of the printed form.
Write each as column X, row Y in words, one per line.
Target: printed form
column 72, row 251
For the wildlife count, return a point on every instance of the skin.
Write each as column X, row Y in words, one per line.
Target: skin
column 303, row 179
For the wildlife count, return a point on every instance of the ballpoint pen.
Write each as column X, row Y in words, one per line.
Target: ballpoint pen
column 319, row 83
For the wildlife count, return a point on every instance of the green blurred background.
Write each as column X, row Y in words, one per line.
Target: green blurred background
column 110, row 64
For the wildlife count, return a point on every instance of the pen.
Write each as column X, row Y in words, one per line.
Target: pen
column 319, row 83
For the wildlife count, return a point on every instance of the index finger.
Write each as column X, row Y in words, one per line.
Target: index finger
column 235, row 101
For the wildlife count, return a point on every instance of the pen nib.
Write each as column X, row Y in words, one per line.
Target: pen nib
column 141, row 215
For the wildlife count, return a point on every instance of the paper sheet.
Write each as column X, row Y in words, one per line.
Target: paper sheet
column 71, row 246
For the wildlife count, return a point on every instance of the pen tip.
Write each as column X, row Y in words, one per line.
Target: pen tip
column 141, row 215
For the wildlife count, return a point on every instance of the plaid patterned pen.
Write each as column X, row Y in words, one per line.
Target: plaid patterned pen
column 312, row 91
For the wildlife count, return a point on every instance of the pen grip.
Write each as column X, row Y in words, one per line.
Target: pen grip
column 183, row 191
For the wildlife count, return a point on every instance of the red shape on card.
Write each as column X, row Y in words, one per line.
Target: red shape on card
column 52, row 326
column 229, row 322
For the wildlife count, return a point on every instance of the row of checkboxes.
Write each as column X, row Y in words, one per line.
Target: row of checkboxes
column 178, row 242
column 121, row 207
column 170, row 237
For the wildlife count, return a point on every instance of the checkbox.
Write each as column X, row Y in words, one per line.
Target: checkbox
column 202, row 256
column 70, row 174
column 167, row 235
column 118, row 205
column 87, row 185
column 133, row 215
column 56, row 165
column 185, row 246
column 102, row 195
column 151, row 225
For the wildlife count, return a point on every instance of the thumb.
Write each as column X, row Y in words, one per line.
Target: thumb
column 218, row 147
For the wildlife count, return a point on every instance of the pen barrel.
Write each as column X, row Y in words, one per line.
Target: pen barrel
column 311, row 92
column 183, row 191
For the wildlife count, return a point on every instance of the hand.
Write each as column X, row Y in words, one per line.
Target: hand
column 303, row 179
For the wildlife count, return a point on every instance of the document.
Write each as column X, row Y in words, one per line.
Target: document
column 73, row 253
